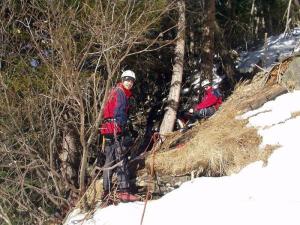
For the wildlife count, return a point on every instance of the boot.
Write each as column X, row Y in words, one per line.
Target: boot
column 127, row 197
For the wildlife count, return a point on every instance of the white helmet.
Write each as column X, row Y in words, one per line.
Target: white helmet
column 128, row 73
column 205, row 82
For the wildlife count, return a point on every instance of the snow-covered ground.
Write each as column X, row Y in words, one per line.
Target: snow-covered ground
column 276, row 48
column 257, row 195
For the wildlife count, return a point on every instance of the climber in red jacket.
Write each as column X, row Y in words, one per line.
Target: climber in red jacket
column 113, row 131
column 209, row 104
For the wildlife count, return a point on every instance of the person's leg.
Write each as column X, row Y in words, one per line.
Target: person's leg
column 122, row 170
column 123, row 176
column 109, row 162
column 204, row 113
column 198, row 115
column 210, row 111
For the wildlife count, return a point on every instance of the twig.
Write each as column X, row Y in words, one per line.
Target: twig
column 157, row 144
column 4, row 216
column 288, row 19
column 262, row 69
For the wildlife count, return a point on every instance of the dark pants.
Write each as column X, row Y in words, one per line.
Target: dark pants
column 204, row 113
column 115, row 152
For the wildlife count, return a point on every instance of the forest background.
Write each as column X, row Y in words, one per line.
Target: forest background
column 58, row 60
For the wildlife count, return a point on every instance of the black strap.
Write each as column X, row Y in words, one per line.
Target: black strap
column 110, row 139
column 108, row 120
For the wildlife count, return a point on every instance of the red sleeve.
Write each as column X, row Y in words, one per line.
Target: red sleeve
column 208, row 100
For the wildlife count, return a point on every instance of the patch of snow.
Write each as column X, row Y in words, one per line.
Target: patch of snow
column 34, row 63
column 276, row 48
column 274, row 112
column 185, row 91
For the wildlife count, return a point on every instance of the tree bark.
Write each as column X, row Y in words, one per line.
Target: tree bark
column 68, row 156
column 174, row 94
column 208, row 37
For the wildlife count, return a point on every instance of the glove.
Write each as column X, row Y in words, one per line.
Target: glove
column 191, row 110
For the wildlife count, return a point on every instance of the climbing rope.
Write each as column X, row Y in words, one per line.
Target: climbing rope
column 156, row 145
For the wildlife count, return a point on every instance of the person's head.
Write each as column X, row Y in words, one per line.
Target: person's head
column 206, row 84
column 128, row 79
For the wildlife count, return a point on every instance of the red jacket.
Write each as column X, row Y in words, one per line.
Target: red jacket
column 210, row 98
column 116, row 110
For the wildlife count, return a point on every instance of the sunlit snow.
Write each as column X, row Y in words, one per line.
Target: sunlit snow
column 275, row 49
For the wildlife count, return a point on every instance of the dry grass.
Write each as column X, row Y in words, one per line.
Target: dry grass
column 222, row 144
column 295, row 114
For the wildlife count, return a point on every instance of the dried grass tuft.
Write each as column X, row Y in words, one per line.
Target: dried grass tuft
column 295, row 114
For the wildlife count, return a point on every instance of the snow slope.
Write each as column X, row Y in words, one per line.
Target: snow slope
column 276, row 48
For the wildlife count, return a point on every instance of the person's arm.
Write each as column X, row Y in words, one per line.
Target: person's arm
column 120, row 113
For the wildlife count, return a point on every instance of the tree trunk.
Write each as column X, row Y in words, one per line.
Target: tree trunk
column 174, row 94
column 190, row 52
column 68, row 156
column 208, row 37
column 252, row 18
column 266, row 10
column 288, row 19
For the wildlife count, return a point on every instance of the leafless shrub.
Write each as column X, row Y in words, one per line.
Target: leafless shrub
column 47, row 132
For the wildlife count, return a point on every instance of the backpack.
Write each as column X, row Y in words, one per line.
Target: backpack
column 217, row 93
